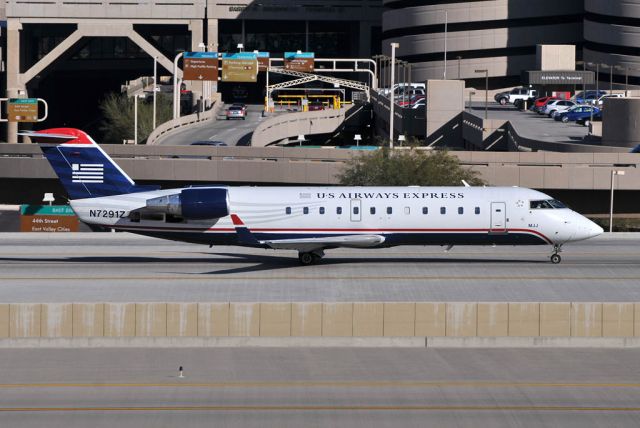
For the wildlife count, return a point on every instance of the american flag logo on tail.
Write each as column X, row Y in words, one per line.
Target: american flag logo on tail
column 87, row 173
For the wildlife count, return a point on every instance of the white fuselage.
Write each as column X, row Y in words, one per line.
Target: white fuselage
column 403, row 215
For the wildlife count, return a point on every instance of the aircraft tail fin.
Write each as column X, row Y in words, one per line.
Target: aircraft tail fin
column 84, row 169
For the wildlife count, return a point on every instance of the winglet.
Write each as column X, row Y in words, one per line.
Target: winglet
column 244, row 235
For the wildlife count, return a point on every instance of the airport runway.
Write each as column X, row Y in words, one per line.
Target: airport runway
column 121, row 267
column 247, row 387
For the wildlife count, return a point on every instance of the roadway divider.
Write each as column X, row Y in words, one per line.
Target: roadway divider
column 315, row 319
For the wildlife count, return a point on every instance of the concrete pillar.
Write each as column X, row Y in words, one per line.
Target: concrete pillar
column 15, row 87
column 212, row 34
column 197, row 37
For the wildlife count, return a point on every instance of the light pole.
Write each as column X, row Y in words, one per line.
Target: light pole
column 357, row 138
column 470, row 94
column 486, row 92
column 459, row 58
column 155, row 88
column 176, row 87
column 446, row 27
column 135, row 117
column 613, row 174
column 394, row 46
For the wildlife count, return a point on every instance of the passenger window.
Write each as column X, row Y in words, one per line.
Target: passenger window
column 372, row 210
column 460, row 210
column 305, row 210
column 321, row 210
column 477, row 210
column 407, row 210
column 288, row 210
column 425, row 210
column 356, row 210
column 443, row 210
column 339, row 210
column 389, row 210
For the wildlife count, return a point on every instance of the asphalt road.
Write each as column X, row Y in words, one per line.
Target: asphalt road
column 533, row 125
column 122, row 267
column 233, row 132
column 248, row 387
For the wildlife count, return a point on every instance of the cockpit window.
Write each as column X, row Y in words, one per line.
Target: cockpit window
column 547, row 204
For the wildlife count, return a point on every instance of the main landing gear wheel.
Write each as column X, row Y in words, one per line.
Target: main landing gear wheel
column 309, row 258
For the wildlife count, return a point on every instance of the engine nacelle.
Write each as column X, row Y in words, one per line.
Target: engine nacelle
column 193, row 204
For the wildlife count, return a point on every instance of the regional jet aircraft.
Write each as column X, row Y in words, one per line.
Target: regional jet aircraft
column 309, row 220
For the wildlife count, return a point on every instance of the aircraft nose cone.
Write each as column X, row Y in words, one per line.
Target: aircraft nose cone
column 587, row 229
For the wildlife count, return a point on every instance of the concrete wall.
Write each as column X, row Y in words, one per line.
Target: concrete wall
column 621, row 122
column 555, row 57
column 312, row 319
column 539, row 170
column 445, row 103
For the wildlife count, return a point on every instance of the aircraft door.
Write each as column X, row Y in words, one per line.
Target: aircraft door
column 498, row 217
column 356, row 210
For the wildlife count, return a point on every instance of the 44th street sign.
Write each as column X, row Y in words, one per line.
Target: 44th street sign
column 202, row 66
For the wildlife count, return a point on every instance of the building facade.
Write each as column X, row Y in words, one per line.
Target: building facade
column 498, row 35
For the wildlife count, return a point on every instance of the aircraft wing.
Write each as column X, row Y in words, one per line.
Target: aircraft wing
column 310, row 244
column 306, row 244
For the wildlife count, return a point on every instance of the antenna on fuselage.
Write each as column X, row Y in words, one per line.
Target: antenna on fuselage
column 465, row 183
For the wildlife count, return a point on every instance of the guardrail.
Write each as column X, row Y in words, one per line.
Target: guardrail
column 315, row 319
column 172, row 125
column 287, row 125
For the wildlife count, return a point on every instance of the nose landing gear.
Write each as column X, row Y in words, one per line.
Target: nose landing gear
column 555, row 257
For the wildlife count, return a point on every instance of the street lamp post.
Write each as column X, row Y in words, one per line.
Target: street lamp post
column 486, row 92
column 394, row 46
column 155, row 88
column 446, row 26
column 613, row 174
column 135, row 117
column 357, row 138
column 459, row 58
column 470, row 94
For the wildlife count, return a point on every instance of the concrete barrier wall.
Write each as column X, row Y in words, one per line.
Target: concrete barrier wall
column 313, row 319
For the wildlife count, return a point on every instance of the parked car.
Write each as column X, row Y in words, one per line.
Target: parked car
column 586, row 121
column 636, row 149
column 602, row 98
column 515, row 94
column 410, row 101
column 520, row 103
column 576, row 112
column 588, row 97
column 557, row 106
column 236, row 112
column 539, row 104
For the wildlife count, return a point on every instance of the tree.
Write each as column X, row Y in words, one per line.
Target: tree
column 118, row 111
column 407, row 168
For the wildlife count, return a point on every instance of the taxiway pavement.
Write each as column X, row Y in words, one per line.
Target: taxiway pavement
column 118, row 267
